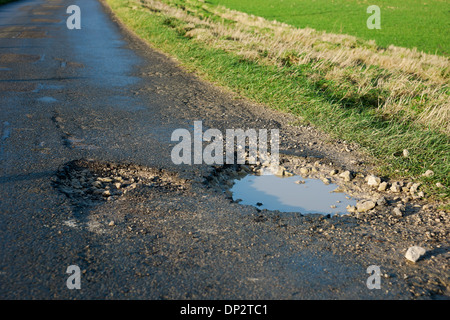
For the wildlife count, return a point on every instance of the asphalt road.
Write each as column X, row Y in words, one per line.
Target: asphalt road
column 98, row 93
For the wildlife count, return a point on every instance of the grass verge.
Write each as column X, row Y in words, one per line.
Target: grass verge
column 302, row 89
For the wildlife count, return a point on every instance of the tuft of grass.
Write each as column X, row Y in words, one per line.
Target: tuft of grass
column 327, row 86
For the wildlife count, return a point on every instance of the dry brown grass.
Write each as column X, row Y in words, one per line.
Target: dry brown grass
column 411, row 84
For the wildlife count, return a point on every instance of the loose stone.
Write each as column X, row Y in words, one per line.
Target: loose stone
column 405, row 153
column 382, row 201
column 428, row 173
column 396, row 187
column 346, row 175
column 414, row 188
column 363, row 206
column 383, row 186
column 373, row 181
column 304, row 170
column 414, row 253
column 397, row 212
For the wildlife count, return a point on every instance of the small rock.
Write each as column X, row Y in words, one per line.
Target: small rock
column 397, row 212
column 300, row 182
column 117, row 185
column 405, row 153
column 97, row 184
column 326, row 181
column 346, row 175
column 339, row 189
column 414, row 187
column 304, row 170
column 382, row 201
column 383, row 186
column 287, row 173
column 111, row 223
column 106, row 193
column 132, row 186
column 414, row 253
column 363, row 206
column 428, row 173
column 333, row 172
column 396, row 187
column 373, row 181
column 333, row 206
column 351, row 209
column 439, row 185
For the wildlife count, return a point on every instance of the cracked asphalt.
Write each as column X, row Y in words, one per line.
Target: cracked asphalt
column 100, row 93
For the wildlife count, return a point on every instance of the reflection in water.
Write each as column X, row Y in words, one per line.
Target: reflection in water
column 290, row 194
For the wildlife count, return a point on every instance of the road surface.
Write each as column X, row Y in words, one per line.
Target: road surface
column 99, row 93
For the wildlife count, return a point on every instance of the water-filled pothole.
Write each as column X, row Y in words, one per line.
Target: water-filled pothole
column 290, row 194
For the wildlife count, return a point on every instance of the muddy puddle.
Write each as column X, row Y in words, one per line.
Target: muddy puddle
column 290, row 194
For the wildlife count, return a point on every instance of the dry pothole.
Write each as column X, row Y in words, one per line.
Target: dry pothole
column 89, row 182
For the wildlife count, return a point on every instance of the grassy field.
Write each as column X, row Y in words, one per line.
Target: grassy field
column 386, row 100
column 423, row 24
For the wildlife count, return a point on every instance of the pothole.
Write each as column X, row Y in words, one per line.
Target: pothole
column 90, row 182
column 295, row 185
column 265, row 189
column 290, row 194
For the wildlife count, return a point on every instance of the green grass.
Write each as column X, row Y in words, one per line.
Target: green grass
column 287, row 88
column 424, row 24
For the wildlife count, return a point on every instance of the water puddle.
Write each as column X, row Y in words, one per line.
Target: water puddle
column 290, row 194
